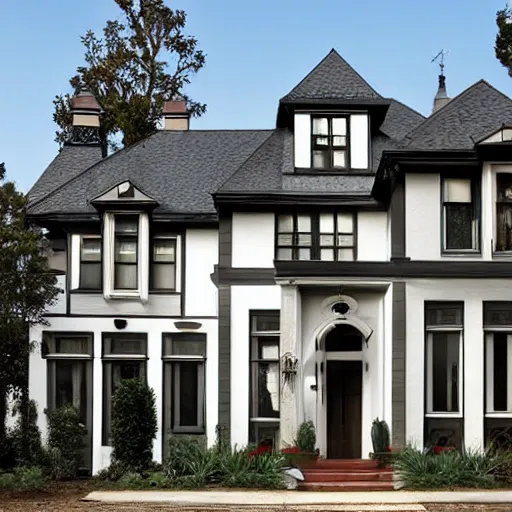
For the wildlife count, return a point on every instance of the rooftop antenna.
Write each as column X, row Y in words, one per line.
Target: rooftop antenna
column 440, row 58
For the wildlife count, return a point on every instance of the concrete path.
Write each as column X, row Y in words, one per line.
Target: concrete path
column 299, row 498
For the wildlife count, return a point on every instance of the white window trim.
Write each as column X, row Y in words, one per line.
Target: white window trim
column 143, row 247
column 430, row 381
column 489, row 377
column 177, row 259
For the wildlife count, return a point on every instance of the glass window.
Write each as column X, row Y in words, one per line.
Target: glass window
column 265, row 376
column 163, row 264
column 337, row 241
column 184, row 356
column 504, row 212
column 90, row 263
column 498, row 372
column 294, row 237
column 125, row 252
column 329, row 143
column 124, row 357
column 460, row 212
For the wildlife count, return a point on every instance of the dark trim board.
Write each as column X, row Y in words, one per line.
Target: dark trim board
column 165, row 317
column 244, row 276
column 224, row 372
column 398, row 376
column 399, row 268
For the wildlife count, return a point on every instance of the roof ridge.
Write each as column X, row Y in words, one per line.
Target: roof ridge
column 408, row 107
column 444, row 108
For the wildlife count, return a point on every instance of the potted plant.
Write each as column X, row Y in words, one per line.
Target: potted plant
column 382, row 450
column 303, row 453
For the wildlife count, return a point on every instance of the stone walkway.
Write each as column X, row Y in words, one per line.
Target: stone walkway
column 402, row 500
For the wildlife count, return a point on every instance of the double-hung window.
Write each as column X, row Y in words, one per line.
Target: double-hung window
column 90, row 263
column 184, row 356
column 124, row 357
column 163, row 264
column 503, row 212
column 444, row 327
column 326, row 236
column 460, row 215
column 265, row 376
column 329, row 143
column 125, row 252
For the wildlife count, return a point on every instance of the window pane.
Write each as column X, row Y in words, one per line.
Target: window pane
column 339, row 159
column 327, row 254
column 265, row 434
column 304, row 240
column 186, row 381
column 125, row 345
column 326, row 223
column 504, row 227
column 164, row 277
column 345, row 240
column 125, row 277
column 504, row 186
column 126, row 224
column 268, row 350
column 285, row 239
column 90, row 276
column 345, row 254
column 321, row 159
column 91, row 249
column 320, row 126
column 265, row 322
column 459, row 226
column 445, row 369
column 339, row 126
column 304, row 223
column 500, row 372
column 284, row 254
column 304, row 254
column 285, row 223
column 339, row 141
column 188, row 347
column 164, row 250
column 457, row 191
column 268, row 389
column 71, row 386
column 126, row 251
column 72, row 345
column 321, row 141
column 327, row 240
column 345, row 222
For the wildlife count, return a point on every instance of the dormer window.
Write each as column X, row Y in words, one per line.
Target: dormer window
column 329, row 142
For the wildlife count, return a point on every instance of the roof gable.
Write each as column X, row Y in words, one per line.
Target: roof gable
column 502, row 134
column 332, row 79
column 466, row 119
column 125, row 192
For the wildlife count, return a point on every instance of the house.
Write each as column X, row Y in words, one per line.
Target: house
column 350, row 263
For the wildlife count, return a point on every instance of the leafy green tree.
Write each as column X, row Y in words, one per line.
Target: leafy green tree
column 503, row 46
column 27, row 287
column 137, row 64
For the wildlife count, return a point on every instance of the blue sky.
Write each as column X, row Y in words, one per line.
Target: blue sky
column 256, row 52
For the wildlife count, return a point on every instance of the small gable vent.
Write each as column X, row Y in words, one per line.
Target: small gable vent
column 125, row 190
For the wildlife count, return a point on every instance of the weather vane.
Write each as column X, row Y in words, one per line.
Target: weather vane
column 440, row 58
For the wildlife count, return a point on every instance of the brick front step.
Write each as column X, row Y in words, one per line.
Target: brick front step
column 321, row 475
column 346, row 486
column 343, row 464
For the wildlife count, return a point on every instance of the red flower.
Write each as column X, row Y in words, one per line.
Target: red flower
column 440, row 449
column 389, row 449
column 291, row 450
column 260, row 450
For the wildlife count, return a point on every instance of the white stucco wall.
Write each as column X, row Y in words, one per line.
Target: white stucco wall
column 372, row 236
column 202, row 254
column 302, row 140
column 359, row 141
column 473, row 293
column 243, row 300
column 253, row 240
column 154, row 329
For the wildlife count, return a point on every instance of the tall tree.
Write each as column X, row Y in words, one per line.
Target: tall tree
column 27, row 287
column 503, row 46
column 137, row 64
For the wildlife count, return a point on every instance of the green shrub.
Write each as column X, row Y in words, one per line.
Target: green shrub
column 31, row 454
column 65, row 442
column 134, row 425
column 449, row 469
column 23, row 478
column 306, row 437
column 380, row 436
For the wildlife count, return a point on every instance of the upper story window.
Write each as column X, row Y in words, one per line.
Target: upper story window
column 125, row 259
column 503, row 212
column 329, row 144
column 326, row 236
column 90, row 263
column 163, row 264
column 460, row 215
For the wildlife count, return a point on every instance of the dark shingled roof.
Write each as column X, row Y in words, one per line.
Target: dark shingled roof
column 178, row 169
column 332, row 79
column 70, row 162
column 464, row 120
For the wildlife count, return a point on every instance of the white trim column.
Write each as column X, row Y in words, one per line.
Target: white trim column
column 291, row 342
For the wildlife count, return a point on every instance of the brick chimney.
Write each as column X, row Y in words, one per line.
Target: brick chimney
column 175, row 115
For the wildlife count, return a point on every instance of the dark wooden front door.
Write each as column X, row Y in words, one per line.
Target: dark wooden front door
column 344, row 389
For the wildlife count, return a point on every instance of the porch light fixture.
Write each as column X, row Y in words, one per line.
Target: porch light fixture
column 289, row 364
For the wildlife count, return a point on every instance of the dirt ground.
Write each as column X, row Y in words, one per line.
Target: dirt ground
column 66, row 498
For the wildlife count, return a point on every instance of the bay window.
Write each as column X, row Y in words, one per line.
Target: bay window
column 184, row 356
column 329, row 144
column 503, row 212
column 264, row 377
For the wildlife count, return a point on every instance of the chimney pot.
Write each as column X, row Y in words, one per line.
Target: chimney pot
column 86, row 109
column 176, row 115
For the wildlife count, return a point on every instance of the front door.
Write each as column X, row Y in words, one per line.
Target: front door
column 344, row 400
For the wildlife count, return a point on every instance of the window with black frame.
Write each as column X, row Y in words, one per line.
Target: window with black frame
column 184, row 357
column 503, row 212
column 163, row 264
column 460, row 214
column 124, row 357
column 125, row 253
column 329, row 144
column 264, row 377
column 90, row 263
